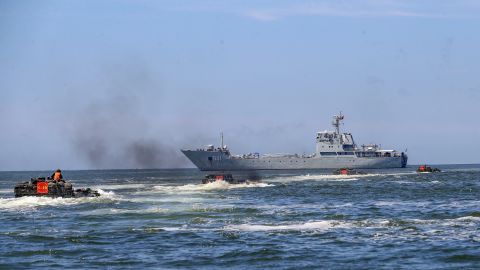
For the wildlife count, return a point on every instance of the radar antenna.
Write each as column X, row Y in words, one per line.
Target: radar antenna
column 336, row 122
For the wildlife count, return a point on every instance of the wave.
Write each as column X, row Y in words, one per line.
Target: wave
column 119, row 211
column 331, row 177
column 29, row 202
column 321, row 225
column 462, row 170
column 218, row 185
column 119, row 186
column 416, row 204
column 314, row 177
column 6, row 191
column 307, row 226
column 168, row 229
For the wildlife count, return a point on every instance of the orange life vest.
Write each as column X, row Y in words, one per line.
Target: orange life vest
column 57, row 176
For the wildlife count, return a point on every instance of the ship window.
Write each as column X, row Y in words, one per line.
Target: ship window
column 328, row 153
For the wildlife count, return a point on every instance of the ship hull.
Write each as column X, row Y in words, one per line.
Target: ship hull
column 219, row 161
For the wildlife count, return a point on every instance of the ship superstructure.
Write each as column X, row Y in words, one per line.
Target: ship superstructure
column 333, row 150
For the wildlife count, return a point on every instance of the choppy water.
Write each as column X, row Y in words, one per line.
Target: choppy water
column 292, row 220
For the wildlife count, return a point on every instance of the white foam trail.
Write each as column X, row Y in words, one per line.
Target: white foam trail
column 468, row 218
column 114, row 211
column 328, row 177
column 451, row 205
column 332, row 177
column 274, row 209
column 28, row 202
column 106, row 194
column 368, row 224
column 169, row 199
column 168, row 229
column 217, row 185
column 405, row 203
column 119, row 186
column 462, row 170
column 308, row 226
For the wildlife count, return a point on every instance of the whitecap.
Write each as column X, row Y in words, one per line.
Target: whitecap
column 307, row 226
column 156, row 229
column 468, row 218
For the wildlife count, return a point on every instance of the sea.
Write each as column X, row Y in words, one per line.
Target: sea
column 168, row 219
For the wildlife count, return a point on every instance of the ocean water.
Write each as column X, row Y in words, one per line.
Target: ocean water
column 166, row 219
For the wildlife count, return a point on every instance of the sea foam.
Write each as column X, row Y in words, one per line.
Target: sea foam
column 217, row 185
column 32, row 202
column 307, row 226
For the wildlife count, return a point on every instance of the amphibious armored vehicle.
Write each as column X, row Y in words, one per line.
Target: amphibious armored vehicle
column 44, row 187
column 346, row 171
column 211, row 178
column 427, row 169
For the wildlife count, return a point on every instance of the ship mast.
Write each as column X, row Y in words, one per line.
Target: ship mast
column 221, row 141
column 336, row 122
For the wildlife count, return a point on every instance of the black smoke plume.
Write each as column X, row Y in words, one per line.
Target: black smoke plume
column 110, row 134
column 112, row 131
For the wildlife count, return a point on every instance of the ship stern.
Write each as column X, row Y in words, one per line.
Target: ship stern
column 404, row 160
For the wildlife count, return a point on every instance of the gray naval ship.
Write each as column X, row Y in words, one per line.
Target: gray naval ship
column 334, row 150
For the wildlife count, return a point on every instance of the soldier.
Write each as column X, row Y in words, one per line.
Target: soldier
column 57, row 175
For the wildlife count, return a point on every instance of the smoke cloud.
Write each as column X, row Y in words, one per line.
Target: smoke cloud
column 114, row 131
column 113, row 135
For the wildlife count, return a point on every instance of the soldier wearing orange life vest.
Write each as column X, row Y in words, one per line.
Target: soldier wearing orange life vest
column 57, row 175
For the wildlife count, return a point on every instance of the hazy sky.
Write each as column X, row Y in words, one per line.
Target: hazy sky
column 125, row 84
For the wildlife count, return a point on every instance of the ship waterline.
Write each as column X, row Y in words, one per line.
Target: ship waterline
column 334, row 150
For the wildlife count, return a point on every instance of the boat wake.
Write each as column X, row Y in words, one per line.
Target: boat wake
column 31, row 202
column 120, row 186
column 308, row 177
column 218, row 185
column 331, row 177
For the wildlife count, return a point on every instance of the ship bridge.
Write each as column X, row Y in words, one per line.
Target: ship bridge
column 328, row 141
column 333, row 142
